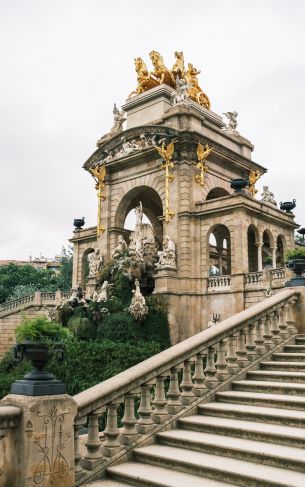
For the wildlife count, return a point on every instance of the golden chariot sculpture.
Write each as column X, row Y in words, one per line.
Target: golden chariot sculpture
column 161, row 74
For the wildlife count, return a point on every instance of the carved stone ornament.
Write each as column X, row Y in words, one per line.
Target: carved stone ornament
column 232, row 123
column 268, row 196
column 167, row 256
column 95, row 261
column 138, row 308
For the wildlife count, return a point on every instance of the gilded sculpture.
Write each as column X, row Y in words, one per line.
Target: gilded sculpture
column 161, row 74
column 254, row 175
column 195, row 92
column 202, row 153
column 99, row 174
column 167, row 154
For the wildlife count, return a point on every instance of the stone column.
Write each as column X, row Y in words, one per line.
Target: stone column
column 273, row 249
column 259, row 257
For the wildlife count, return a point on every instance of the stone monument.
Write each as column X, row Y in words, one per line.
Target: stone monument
column 173, row 162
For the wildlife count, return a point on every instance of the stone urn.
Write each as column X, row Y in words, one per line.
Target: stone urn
column 239, row 184
column 298, row 267
column 38, row 382
column 79, row 223
column 288, row 206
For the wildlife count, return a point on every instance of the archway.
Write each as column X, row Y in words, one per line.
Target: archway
column 152, row 208
column 217, row 193
column 267, row 248
column 280, row 251
column 219, row 249
column 252, row 248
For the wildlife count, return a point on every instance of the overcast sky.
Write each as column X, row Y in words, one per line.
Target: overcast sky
column 64, row 63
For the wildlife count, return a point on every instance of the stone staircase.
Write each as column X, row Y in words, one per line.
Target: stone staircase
column 250, row 435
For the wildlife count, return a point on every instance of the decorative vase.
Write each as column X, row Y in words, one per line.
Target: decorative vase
column 38, row 382
column 239, row 184
column 79, row 223
column 288, row 206
column 298, row 267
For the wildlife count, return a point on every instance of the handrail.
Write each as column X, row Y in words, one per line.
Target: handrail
column 9, row 417
column 105, row 392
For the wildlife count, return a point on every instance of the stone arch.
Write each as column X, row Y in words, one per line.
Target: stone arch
column 253, row 241
column 152, row 207
column 219, row 254
column 217, row 193
column 213, row 182
column 280, row 251
column 268, row 245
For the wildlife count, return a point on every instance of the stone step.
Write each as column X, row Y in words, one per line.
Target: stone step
column 260, row 399
column 277, row 375
column 287, row 366
column 270, row 387
column 300, row 340
column 246, row 449
column 239, row 472
column 289, row 357
column 276, row 416
column 294, row 348
column 243, row 428
column 145, row 475
column 106, row 483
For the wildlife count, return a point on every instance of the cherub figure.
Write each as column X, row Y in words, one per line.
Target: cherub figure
column 232, row 124
column 268, row 196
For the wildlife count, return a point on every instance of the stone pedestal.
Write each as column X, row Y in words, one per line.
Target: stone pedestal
column 90, row 286
column 44, row 450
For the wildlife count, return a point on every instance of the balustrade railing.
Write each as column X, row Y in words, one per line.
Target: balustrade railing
column 17, row 303
column 39, row 297
column 253, row 278
column 163, row 387
column 219, row 282
column 47, row 296
column 278, row 274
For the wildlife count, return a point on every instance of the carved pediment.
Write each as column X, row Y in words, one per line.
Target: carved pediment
column 132, row 141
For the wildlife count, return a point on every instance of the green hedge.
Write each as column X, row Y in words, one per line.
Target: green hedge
column 85, row 363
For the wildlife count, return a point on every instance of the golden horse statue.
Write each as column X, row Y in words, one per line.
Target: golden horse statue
column 161, row 74
column 178, row 68
column 195, row 92
column 144, row 79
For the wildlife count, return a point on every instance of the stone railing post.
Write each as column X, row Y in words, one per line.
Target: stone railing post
column 37, row 298
column 44, row 440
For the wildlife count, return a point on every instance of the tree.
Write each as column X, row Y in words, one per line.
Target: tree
column 64, row 278
column 17, row 281
column 13, row 276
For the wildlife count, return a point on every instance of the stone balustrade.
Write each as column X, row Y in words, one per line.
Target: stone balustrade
column 253, row 278
column 278, row 274
column 156, row 392
column 219, row 283
column 39, row 298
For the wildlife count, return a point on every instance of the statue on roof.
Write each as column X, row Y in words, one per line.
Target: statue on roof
column 118, row 118
column 181, row 94
column 195, row 92
column 161, row 74
column 254, row 175
column 232, row 123
column 268, row 196
column 178, row 68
